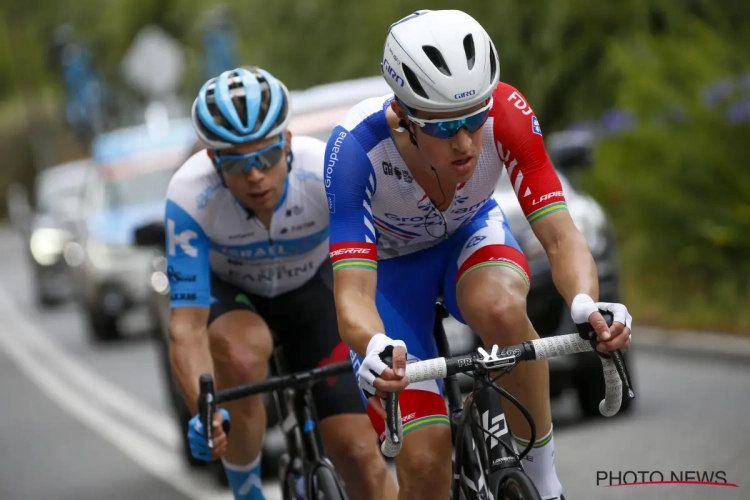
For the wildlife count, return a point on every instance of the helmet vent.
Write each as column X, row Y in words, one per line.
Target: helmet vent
column 237, row 92
column 469, row 50
column 493, row 62
column 414, row 82
column 437, row 59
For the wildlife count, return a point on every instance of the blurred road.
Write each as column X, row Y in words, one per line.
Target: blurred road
column 82, row 421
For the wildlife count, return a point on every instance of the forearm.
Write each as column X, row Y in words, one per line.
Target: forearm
column 190, row 357
column 573, row 267
column 358, row 320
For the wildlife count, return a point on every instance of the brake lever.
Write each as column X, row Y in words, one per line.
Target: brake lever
column 617, row 357
column 391, row 403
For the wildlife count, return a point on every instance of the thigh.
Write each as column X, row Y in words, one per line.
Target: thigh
column 485, row 242
column 226, row 298
column 240, row 339
column 408, row 287
column 304, row 322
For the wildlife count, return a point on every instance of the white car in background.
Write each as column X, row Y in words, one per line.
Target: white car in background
column 47, row 223
column 126, row 190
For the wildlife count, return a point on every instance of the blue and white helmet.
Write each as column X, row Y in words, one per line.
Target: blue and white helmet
column 240, row 106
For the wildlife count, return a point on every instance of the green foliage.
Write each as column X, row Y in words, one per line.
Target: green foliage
column 677, row 185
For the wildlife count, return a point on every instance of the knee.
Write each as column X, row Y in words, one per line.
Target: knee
column 353, row 445
column 426, row 465
column 508, row 313
column 241, row 353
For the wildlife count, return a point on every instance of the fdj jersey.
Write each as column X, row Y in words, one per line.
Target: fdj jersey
column 377, row 209
column 208, row 231
column 381, row 219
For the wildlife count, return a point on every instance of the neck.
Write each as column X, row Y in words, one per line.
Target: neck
column 265, row 217
column 439, row 191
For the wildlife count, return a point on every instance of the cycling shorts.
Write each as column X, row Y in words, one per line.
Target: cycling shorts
column 408, row 287
column 303, row 320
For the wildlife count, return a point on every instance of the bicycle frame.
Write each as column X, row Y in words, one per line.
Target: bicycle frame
column 470, row 442
column 304, row 444
column 471, row 471
column 293, row 396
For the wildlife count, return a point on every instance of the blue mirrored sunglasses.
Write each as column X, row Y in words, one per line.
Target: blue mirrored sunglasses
column 242, row 164
column 441, row 128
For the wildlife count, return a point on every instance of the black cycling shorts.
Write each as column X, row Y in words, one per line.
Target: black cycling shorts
column 304, row 322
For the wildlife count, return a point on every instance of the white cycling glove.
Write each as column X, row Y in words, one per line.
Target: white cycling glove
column 372, row 366
column 583, row 306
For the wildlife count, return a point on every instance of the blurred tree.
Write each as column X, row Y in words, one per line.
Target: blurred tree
column 677, row 185
column 685, row 218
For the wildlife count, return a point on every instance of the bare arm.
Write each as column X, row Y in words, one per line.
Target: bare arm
column 189, row 350
column 573, row 266
column 358, row 318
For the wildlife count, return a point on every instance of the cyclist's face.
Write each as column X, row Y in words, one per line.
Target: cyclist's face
column 259, row 190
column 456, row 157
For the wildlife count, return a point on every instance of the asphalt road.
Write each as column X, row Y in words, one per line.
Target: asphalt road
column 83, row 421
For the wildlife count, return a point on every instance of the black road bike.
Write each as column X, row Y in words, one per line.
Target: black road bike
column 304, row 459
column 487, row 464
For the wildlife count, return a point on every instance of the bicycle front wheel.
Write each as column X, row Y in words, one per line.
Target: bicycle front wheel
column 517, row 486
column 326, row 486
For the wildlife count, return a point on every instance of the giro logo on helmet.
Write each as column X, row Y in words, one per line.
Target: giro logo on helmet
column 465, row 94
column 386, row 68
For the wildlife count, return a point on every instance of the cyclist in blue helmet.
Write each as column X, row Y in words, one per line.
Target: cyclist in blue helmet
column 247, row 252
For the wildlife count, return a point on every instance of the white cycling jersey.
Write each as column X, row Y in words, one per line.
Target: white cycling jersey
column 209, row 231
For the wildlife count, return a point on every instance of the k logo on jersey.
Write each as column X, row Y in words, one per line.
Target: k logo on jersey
column 183, row 240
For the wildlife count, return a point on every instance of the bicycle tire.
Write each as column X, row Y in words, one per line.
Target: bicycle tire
column 325, row 485
column 516, row 485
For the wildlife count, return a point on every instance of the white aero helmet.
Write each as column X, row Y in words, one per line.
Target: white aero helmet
column 440, row 60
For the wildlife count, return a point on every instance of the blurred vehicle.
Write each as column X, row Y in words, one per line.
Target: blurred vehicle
column 315, row 112
column 48, row 226
column 125, row 190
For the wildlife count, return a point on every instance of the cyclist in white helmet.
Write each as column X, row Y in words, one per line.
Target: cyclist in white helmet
column 410, row 178
column 247, row 252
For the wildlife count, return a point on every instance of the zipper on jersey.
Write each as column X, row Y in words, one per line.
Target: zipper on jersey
column 266, row 229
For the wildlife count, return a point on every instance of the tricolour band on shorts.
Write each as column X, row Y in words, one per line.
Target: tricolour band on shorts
column 418, row 409
column 495, row 255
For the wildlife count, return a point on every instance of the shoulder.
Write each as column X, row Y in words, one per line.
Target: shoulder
column 513, row 116
column 365, row 123
column 308, row 150
column 194, row 182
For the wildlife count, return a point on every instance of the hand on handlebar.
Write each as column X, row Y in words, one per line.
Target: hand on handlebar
column 587, row 313
column 198, row 446
column 376, row 379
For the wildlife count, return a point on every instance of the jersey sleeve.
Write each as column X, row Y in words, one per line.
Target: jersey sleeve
column 350, row 185
column 187, row 246
column 519, row 142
